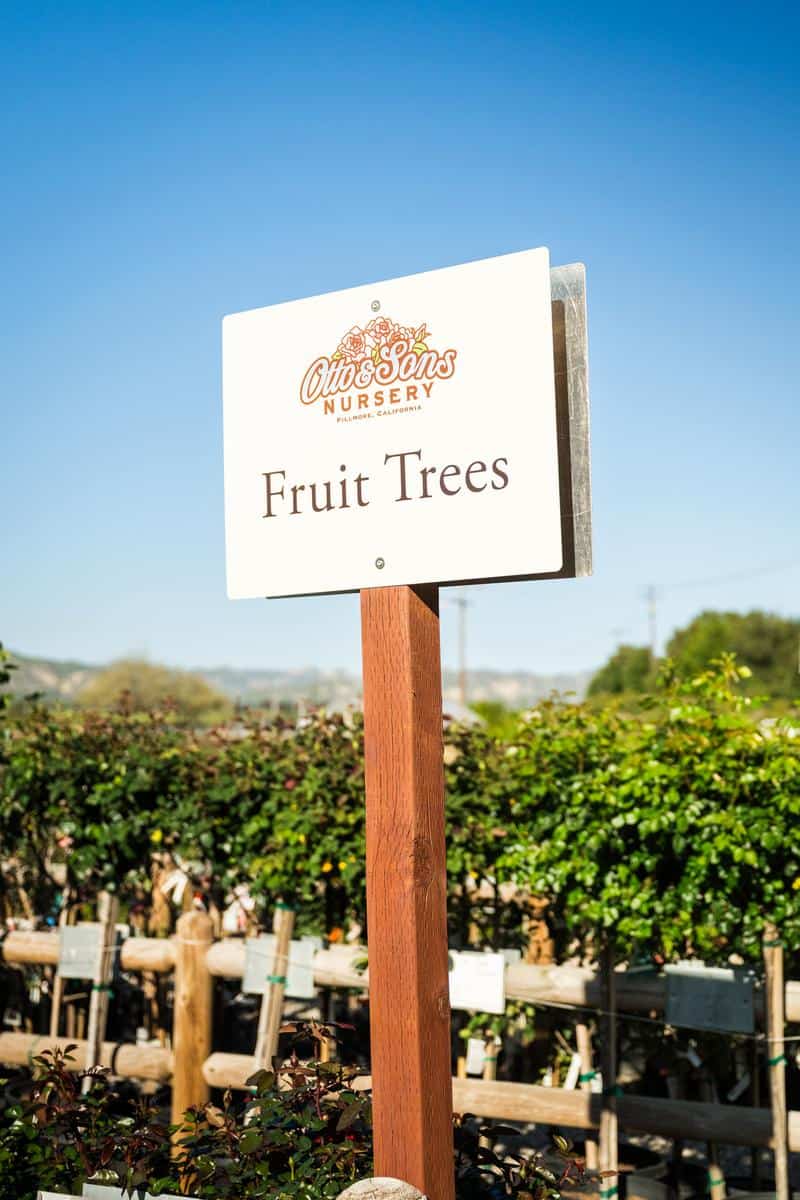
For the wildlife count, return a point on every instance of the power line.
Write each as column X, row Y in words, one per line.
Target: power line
column 751, row 573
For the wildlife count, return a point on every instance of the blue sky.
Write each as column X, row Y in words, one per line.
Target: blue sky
column 166, row 164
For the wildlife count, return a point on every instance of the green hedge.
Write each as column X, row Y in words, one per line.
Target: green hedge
column 672, row 830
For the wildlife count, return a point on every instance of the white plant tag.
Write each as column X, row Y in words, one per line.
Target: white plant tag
column 571, row 1080
column 475, row 1056
column 259, row 957
column 79, row 950
column 739, row 1087
column 477, row 981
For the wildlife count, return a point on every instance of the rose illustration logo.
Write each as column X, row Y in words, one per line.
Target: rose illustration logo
column 369, row 360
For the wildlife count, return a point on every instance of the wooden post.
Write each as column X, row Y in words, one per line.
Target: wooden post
column 776, row 1060
column 58, row 982
column 716, row 1178
column 583, row 1041
column 755, row 1151
column 406, row 888
column 107, row 909
column 491, row 1049
column 191, row 1033
column 608, row 1116
column 271, row 1014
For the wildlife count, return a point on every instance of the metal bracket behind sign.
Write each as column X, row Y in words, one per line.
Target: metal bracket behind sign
column 712, row 998
column 79, row 950
column 258, row 956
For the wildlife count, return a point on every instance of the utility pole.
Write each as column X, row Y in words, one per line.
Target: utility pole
column 651, row 621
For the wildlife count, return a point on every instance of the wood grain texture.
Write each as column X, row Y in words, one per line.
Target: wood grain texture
column 406, row 888
column 191, row 1035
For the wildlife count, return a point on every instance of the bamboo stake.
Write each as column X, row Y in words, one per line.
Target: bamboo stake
column 107, row 909
column 583, row 1040
column 269, row 1020
column 776, row 1060
column 58, row 983
column 491, row 1049
column 609, row 1163
column 755, row 1151
column 716, row 1178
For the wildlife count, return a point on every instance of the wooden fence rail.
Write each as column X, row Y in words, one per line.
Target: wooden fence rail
column 197, row 962
column 525, row 1102
column 637, row 991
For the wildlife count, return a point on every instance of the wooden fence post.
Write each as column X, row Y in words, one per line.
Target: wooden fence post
column 271, row 1014
column 776, row 1060
column 406, row 888
column 609, row 1133
column 191, row 1033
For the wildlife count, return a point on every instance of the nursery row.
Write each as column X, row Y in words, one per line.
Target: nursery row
column 672, row 829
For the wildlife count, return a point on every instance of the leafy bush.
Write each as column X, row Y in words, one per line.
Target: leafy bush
column 672, row 834
column 670, row 831
column 303, row 1133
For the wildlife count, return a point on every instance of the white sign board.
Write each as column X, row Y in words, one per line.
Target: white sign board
column 398, row 433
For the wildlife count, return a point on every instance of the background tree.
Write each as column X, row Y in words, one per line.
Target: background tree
column 138, row 686
column 628, row 670
column 764, row 642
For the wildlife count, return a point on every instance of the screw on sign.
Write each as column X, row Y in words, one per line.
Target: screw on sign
column 452, row 431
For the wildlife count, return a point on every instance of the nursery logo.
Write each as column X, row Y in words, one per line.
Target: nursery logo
column 376, row 370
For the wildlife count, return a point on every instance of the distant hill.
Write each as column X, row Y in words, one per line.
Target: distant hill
column 57, row 680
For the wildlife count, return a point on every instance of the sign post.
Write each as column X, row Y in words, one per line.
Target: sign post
column 406, row 888
column 389, row 440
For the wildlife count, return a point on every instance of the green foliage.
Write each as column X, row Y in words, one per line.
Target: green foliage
column 630, row 669
column 498, row 719
column 671, row 831
column 769, row 645
column 672, row 834
column 304, row 1132
column 136, row 686
column 765, row 643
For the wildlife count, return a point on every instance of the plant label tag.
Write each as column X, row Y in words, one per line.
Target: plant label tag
column 404, row 432
column 477, row 981
column 739, row 1088
column 259, row 954
column 712, row 998
column 511, row 956
column 573, row 1073
column 476, row 1052
column 79, row 949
